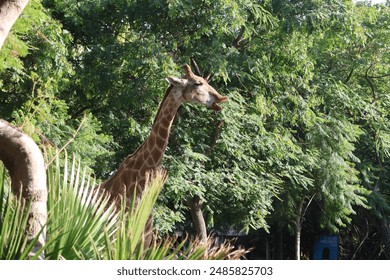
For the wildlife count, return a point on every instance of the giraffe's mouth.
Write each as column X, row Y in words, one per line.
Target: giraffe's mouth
column 215, row 106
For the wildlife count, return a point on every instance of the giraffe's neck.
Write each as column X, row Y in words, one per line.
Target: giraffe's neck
column 149, row 155
column 153, row 148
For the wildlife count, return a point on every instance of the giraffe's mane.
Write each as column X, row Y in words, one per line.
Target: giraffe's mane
column 169, row 89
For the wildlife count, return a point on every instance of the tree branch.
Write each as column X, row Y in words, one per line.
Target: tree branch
column 349, row 76
column 25, row 164
column 240, row 37
column 364, row 239
column 67, row 143
column 370, row 82
column 308, row 204
column 9, row 13
column 21, row 155
column 379, row 77
column 217, row 134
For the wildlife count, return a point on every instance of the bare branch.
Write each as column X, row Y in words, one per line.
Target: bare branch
column 379, row 77
column 363, row 240
column 308, row 204
column 370, row 82
column 67, row 143
column 239, row 39
column 349, row 76
column 217, row 134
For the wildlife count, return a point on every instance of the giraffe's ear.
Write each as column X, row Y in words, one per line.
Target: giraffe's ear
column 179, row 82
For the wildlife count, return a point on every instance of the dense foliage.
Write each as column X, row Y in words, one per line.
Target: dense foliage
column 301, row 148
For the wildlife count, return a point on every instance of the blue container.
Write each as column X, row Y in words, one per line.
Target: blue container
column 326, row 247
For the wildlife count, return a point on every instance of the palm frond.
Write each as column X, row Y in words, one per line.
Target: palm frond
column 77, row 212
column 13, row 223
column 127, row 243
column 82, row 224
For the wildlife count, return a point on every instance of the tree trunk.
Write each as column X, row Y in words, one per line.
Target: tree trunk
column 195, row 205
column 298, row 230
column 20, row 154
column 24, row 162
column 9, row 13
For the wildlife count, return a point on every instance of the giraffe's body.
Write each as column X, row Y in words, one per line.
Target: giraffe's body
column 131, row 174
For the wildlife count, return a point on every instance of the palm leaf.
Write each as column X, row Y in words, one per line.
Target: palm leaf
column 13, row 222
column 77, row 212
column 127, row 243
column 83, row 225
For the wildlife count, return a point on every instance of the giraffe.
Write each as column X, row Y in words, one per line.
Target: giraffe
column 132, row 173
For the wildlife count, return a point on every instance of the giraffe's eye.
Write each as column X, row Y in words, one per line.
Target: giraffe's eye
column 198, row 83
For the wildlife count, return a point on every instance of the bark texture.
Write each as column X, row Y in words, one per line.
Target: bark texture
column 9, row 13
column 24, row 162
column 195, row 205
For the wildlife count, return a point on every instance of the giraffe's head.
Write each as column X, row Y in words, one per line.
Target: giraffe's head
column 195, row 89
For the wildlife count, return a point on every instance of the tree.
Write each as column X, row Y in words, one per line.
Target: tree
column 20, row 154
column 300, row 147
column 9, row 13
column 369, row 75
column 139, row 56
